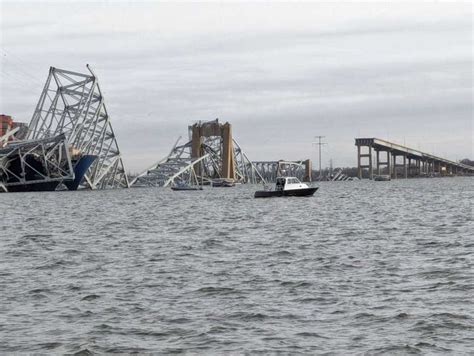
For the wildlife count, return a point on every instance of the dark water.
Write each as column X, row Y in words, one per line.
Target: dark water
column 361, row 267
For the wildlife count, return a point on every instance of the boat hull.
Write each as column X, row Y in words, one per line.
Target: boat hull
column 303, row 192
column 80, row 170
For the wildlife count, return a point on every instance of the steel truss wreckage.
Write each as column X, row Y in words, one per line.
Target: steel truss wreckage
column 183, row 165
column 70, row 114
column 270, row 170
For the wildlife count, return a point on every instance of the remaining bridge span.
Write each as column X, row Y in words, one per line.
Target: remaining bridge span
column 413, row 162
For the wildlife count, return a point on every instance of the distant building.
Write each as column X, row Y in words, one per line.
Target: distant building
column 7, row 124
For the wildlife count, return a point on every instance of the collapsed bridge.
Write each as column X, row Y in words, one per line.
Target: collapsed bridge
column 210, row 154
column 70, row 142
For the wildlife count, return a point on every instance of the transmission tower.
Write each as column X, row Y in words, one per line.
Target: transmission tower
column 319, row 143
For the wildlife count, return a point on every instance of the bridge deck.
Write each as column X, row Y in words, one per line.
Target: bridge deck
column 425, row 163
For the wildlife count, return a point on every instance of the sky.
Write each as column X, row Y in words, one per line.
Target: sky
column 281, row 73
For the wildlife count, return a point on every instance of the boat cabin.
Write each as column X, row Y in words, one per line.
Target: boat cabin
column 289, row 183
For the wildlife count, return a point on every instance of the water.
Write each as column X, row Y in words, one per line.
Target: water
column 361, row 267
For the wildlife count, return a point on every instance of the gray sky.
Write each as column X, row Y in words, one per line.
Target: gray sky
column 281, row 73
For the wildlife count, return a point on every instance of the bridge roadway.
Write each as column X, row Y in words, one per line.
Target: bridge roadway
column 414, row 162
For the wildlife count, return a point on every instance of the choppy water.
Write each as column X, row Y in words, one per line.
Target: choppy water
column 361, row 267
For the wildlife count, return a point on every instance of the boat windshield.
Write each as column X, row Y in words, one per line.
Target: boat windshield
column 293, row 181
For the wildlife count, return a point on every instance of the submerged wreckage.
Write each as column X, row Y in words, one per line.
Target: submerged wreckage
column 69, row 143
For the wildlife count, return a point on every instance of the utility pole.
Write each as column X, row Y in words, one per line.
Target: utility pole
column 319, row 143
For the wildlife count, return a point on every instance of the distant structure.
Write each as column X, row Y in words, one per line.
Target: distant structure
column 69, row 143
column 414, row 162
column 11, row 130
column 6, row 124
column 270, row 170
column 319, row 144
column 211, row 153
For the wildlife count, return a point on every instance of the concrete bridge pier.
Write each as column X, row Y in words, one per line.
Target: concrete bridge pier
column 361, row 166
column 377, row 154
column 389, row 165
column 394, row 166
column 405, row 168
column 380, row 163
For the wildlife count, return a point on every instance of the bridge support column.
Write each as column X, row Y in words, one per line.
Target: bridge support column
column 359, row 168
column 405, row 168
column 394, row 166
column 377, row 152
column 389, row 165
column 371, row 168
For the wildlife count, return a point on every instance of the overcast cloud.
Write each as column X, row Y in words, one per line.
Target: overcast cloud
column 280, row 73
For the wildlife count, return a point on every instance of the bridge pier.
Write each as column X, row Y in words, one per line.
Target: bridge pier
column 377, row 152
column 403, row 166
column 394, row 165
column 393, row 171
column 359, row 169
column 371, row 170
column 389, row 165
column 380, row 164
column 405, row 169
column 360, row 166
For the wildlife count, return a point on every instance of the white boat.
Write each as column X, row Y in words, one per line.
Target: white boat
column 287, row 187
